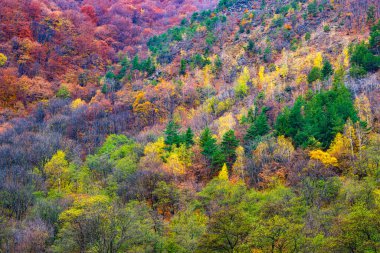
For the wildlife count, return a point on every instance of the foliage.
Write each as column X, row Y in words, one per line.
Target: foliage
column 318, row 119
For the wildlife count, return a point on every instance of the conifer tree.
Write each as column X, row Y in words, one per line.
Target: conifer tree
column 171, row 134
column 188, row 137
column 228, row 147
column 259, row 127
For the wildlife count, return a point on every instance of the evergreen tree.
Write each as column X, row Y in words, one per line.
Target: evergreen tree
column 228, row 147
column 210, row 149
column 171, row 134
column 314, row 74
column 207, row 143
column 327, row 70
column 182, row 68
column 188, row 137
column 259, row 127
column 135, row 63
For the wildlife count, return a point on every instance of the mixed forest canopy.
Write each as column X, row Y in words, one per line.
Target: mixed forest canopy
column 190, row 126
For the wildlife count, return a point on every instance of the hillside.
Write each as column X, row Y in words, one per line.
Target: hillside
column 190, row 126
column 49, row 44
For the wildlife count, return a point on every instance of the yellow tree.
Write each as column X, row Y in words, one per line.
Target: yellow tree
column 57, row 171
column 363, row 108
column 223, row 174
column 323, row 157
column 3, row 59
column 241, row 88
column 238, row 169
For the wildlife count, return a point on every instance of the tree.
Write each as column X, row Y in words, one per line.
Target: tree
column 188, row 137
column 259, row 127
column 241, row 88
column 63, row 92
column 182, row 68
column 227, row 231
column 223, row 174
column 374, row 38
column 185, row 230
column 361, row 56
column 312, row 8
column 210, row 149
column 58, row 172
column 228, row 147
column 3, row 59
column 314, row 75
column 327, row 70
column 172, row 136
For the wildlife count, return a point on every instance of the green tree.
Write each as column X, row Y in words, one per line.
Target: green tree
column 63, row 92
column 314, row 75
column 172, row 136
column 327, row 70
column 259, row 127
column 361, row 56
column 211, row 150
column 182, row 68
column 227, row 231
column 228, row 147
column 188, row 137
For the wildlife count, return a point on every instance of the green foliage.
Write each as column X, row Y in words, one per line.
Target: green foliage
column 241, row 88
column 314, row 75
column 327, row 70
column 326, row 28
column 371, row 14
column 63, row 92
column 374, row 38
column 319, row 119
column 210, row 149
column 278, row 22
column 259, row 127
column 182, row 68
column 361, row 56
column 174, row 137
column 228, row 147
column 307, row 36
column 312, row 8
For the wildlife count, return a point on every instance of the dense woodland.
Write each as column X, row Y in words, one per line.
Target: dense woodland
column 190, row 126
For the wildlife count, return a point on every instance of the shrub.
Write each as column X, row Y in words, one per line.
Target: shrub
column 326, row 28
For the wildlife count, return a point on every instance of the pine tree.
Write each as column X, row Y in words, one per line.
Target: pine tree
column 228, row 147
column 182, row 68
column 171, row 134
column 327, row 70
column 207, row 143
column 259, row 127
column 188, row 137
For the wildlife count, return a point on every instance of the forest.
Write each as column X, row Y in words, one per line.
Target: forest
column 190, row 126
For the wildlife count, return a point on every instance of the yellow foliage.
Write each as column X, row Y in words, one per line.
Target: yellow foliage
column 339, row 146
column 3, row 59
column 318, row 60
column 323, row 157
column 156, row 147
column 363, row 108
column 57, row 171
column 346, row 61
column 226, row 123
column 77, row 103
column 239, row 165
column 261, row 74
column 223, row 174
column 284, row 148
